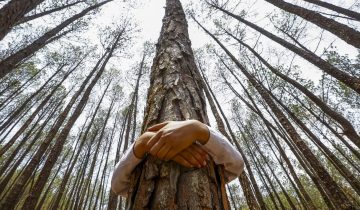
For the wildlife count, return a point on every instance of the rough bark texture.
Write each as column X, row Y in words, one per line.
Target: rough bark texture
column 174, row 94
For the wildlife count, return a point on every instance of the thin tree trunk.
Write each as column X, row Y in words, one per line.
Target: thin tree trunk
column 10, row 201
column 260, row 168
column 335, row 161
column 292, row 205
column 252, row 202
column 33, row 115
column 344, row 32
column 338, row 197
column 112, row 200
column 12, row 12
column 6, row 180
column 22, row 106
column 348, row 128
column 11, row 62
column 18, row 90
column 335, row 8
column 47, row 12
column 350, row 81
column 136, row 94
column 45, row 194
column 328, row 126
column 34, row 194
column 270, row 127
column 70, row 167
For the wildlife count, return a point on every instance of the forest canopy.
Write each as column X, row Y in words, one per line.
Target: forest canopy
column 280, row 79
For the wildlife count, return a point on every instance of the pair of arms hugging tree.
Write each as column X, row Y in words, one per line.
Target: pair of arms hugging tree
column 189, row 143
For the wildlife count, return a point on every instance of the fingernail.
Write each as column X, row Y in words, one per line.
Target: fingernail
column 204, row 163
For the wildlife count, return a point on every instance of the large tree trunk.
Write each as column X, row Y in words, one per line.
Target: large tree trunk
column 12, row 12
column 174, row 94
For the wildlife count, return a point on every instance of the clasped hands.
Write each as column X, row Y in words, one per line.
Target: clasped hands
column 180, row 141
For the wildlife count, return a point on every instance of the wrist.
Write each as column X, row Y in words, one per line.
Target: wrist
column 139, row 150
column 202, row 132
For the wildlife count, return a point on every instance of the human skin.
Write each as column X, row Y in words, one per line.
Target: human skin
column 180, row 141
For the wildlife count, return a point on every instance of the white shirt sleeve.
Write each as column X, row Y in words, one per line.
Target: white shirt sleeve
column 120, row 181
column 223, row 153
column 218, row 147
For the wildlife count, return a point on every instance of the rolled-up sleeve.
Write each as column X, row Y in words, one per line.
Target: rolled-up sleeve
column 120, row 180
column 223, row 153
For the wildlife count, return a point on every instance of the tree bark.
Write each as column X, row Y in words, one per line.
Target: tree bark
column 174, row 94
column 12, row 12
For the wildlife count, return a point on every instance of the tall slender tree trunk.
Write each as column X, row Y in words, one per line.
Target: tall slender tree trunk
column 350, row 81
column 174, row 94
column 335, row 8
column 33, row 115
column 11, row 200
column 348, row 128
column 113, row 198
column 47, row 12
column 338, row 197
column 344, row 171
column 12, row 12
column 344, row 32
column 20, row 108
column 11, row 62
column 74, row 159
column 18, row 90
column 243, row 179
column 34, row 194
